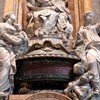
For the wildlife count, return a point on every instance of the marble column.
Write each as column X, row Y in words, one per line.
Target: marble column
column 20, row 12
column 84, row 7
column 8, row 6
column 78, row 9
column 14, row 6
column 87, row 6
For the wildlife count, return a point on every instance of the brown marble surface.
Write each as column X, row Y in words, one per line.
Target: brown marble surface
column 96, row 9
column 2, row 3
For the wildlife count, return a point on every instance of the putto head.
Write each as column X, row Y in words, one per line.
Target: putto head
column 18, row 27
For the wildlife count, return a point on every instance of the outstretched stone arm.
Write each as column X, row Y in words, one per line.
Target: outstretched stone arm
column 35, row 8
column 96, row 25
column 12, row 39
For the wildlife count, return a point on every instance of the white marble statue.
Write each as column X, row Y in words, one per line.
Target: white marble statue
column 8, row 40
column 80, row 88
column 91, row 50
column 21, row 48
column 49, row 17
column 90, row 57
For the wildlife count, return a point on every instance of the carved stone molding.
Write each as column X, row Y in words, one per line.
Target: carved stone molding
column 41, row 96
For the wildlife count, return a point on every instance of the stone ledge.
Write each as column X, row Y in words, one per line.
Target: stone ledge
column 40, row 96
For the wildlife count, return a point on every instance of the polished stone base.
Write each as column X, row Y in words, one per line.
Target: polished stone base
column 45, row 95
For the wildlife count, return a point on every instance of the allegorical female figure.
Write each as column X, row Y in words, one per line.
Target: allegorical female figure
column 91, row 51
column 8, row 40
column 90, row 58
column 48, row 17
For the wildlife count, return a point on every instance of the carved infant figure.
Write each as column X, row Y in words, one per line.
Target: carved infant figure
column 81, row 85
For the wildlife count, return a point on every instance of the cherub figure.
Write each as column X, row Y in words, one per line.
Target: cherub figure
column 21, row 48
column 81, row 85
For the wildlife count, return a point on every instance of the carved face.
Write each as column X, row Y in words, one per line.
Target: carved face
column 10, row 18
column 78, row 68
column 18, row 27
column 89, row 18
column 13, row 17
